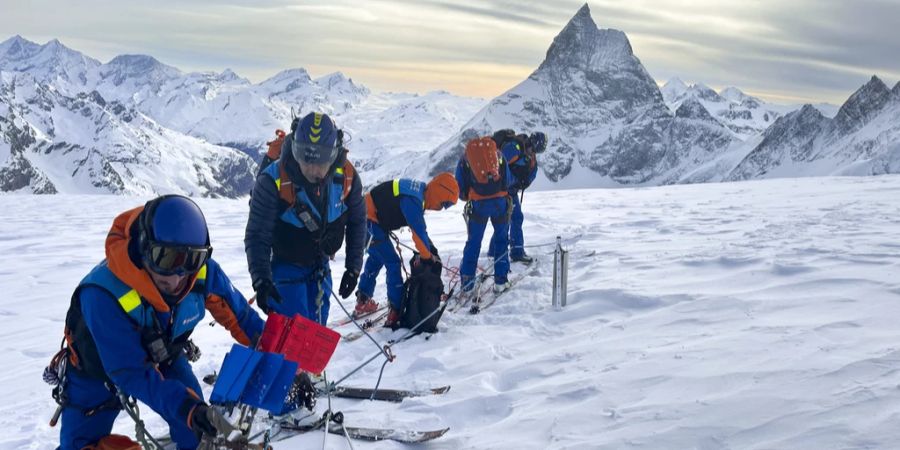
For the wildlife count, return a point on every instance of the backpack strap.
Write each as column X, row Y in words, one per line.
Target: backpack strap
column 349, row 172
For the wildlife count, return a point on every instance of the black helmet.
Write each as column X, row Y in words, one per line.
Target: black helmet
column 538, row 141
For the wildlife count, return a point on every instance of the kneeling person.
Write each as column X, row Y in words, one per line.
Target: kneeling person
column 129, row 322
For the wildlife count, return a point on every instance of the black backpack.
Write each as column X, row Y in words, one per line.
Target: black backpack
column 422, row 293
column 520, row 170
column 500, row 137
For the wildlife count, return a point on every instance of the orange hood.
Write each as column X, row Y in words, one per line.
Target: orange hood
column 124, row 269
column 442, row 188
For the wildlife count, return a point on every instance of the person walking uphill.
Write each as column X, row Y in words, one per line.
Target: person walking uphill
column 390, row 206
column 483, row 178
column 129, row 321
column 302, row 207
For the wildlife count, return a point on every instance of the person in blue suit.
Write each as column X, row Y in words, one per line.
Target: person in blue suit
column 483, row 177
column 130, row 319
column 520, row 151
column 390, row 206
column 301, row 209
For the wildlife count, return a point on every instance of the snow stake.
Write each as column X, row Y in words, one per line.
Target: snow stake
column 560, row 274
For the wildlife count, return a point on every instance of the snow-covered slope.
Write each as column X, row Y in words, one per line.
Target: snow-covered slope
column 755, row 315
column 193, row 114
column 51, row 142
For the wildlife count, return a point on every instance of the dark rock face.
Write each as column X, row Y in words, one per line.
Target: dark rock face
column 862, row 139
column 862, row 106
column 600, row 108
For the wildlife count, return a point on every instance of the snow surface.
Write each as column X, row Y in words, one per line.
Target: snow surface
column 747, row 315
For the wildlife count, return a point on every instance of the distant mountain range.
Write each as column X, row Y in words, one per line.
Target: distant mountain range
column 611, row 125
column 71, row 124
column 134, row 125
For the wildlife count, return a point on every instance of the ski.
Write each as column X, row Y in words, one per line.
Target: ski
column 354, row 316
column 483, row 285
column 288, row 430
column 385, row 395
column 218, row 443
column 481, row 305
column 366, row 325
column 381, row 434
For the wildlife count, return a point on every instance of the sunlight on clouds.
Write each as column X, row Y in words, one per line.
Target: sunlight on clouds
column 809, row 47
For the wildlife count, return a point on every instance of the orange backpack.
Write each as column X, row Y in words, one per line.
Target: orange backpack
column 274, row 151
column 115, row 442
column 483, row 160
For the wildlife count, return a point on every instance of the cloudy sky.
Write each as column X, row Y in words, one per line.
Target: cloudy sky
column 789, row 51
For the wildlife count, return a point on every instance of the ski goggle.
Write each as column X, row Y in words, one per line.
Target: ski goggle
column 315, row 154
column 168, row 260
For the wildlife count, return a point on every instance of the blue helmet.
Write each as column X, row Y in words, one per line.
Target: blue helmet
column 316, row 140
column 174, row 237
column 175, row 220
column 538, row 141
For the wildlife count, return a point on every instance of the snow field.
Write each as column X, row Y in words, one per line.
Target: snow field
column 753, row 315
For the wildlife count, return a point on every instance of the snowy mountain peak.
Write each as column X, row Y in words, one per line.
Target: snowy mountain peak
column 733, row 94
column 229, row 75
column 693, row 109
column 808, row 112
column 582, row 45
column 863, row 105
column 287, row 81
column 290, row 75
column 56, row 48
column 673, row 89
column 139, row 63
column 339, row 82
column 896, row 90
column 704, row 92
column 142, row 67
column 17, row 47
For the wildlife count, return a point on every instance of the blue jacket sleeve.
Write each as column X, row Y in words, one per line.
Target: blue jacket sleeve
column 356, row 226
column 411, row 208
column 533, row 174
column 229, row 307
column 509, row 176
column 118, row 343
column 258, row 238
column 462, row 180
column 509, row 151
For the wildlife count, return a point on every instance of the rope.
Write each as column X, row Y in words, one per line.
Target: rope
column 140, row 430
column 399, row 253
column 548, row 244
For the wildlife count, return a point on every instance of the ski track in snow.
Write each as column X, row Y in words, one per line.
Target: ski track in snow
column 718, row 316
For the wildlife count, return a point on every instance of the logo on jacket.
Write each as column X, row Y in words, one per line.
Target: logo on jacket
column 190, row 319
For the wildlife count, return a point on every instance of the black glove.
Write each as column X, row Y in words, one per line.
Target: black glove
column 348, row 283
column 265, row 289
column 434, row 253
column 208, row 421
column 302, row 392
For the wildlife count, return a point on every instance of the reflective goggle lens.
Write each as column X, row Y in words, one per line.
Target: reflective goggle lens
column 168, row 260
